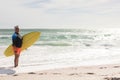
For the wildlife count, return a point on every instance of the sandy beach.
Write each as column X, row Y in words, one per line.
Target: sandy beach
column 69, row 55
column 101, row 72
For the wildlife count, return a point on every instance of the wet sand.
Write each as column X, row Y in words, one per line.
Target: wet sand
column 101, row 72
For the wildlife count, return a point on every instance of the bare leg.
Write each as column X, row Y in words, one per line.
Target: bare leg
column 16, row 60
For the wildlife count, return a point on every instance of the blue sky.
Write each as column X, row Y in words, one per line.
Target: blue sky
column 60, row 13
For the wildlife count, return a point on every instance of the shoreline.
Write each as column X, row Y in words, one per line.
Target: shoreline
column 99, row 72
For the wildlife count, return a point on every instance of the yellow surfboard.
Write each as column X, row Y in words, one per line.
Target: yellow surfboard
column 28, row 40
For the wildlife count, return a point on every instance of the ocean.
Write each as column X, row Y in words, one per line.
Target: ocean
column 60, row 48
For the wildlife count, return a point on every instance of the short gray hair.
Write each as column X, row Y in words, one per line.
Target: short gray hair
column 16, row 27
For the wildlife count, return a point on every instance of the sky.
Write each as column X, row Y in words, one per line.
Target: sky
column 60, row 13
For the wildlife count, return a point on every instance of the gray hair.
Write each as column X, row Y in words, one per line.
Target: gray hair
column 16, row 27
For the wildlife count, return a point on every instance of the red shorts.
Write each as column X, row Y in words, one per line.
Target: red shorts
column 16, row 50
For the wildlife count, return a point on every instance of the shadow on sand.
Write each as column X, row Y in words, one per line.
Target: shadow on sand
column 7, row 71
